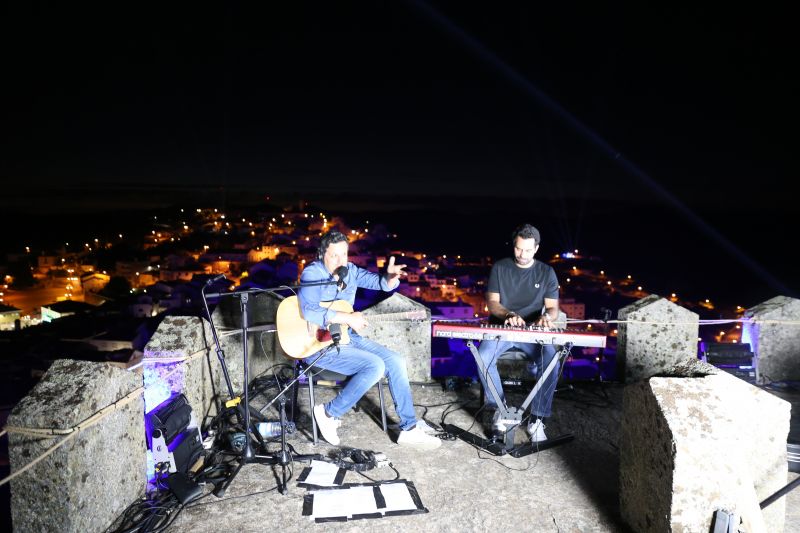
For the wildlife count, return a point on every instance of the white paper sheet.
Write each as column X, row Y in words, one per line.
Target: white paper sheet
column 343, row 502
column 322, row 474
column 397, row 497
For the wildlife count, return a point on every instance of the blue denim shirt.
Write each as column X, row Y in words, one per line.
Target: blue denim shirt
column 310, row 297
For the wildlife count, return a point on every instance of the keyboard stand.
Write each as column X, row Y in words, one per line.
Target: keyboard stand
column 510, row 416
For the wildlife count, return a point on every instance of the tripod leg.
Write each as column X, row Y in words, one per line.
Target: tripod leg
column 285, row 459
column 219, row 491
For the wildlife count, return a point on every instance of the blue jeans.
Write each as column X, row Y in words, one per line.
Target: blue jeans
column 540, row 354
column 366, row 362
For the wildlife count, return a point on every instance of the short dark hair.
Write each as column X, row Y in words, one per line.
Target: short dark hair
column 526, row 231
column 332, row 237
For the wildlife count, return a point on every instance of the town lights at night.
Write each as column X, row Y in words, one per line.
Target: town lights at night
column 458, row 285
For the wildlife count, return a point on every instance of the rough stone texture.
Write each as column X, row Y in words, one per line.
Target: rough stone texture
column 411, row 338
column 263, row 348
column 692, row 445
column 667, row 335
column 775, row 344
column 200, row 379
column 87, row 482
column 572, row 488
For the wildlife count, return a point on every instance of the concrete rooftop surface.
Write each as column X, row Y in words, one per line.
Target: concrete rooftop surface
column 573, row 487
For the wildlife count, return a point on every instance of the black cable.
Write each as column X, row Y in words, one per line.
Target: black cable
column 528, row 467
column 396, row 477
column 190, row 506
column 584, row 402
column 259, row 377
column 148, row 514
column 448, row 411
column 441, row 433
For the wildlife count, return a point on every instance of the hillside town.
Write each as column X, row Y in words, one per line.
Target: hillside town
column 101, row 299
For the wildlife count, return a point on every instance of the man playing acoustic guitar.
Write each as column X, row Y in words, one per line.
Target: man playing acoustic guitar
column 365, row 360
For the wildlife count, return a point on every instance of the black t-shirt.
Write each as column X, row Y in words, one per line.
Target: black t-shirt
column 523, row 290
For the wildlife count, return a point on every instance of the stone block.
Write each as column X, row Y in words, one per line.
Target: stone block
column 655, row 335
column 200, row 379
column 697, row 442
column 412, row 338
column 774, row 335
column 87, row 482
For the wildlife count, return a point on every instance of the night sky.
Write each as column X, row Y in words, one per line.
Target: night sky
column 663, row 133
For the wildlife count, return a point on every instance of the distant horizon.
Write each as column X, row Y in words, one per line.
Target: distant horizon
column 664, row 253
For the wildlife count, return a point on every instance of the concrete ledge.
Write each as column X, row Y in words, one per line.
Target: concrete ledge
column 412, row 338
column 773, row 340
column 703, row 441
column 86, row 483
column 656, row 335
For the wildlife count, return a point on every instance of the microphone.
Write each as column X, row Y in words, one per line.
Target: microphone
column 341, row 273
column 215, row 278
column 336, row 333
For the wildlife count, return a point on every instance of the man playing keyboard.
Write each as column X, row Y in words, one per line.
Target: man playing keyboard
column 522, row 291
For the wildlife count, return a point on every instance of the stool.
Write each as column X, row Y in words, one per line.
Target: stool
column 320, row 376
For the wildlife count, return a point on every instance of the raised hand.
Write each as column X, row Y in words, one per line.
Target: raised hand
column 394, row 271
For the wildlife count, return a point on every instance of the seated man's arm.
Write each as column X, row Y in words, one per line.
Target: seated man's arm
column 497, row 309
column 550, row 314
column 371, row 280
column 310, row 298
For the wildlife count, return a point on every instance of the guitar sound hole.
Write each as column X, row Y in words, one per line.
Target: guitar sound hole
column 323, row 335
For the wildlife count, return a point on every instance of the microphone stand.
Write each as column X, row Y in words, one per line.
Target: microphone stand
column 248, row 455
column 220, row 353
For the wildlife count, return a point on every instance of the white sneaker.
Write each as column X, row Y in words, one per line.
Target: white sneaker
column 327, row 425
column 417, row 439
column 536, row 431
column 426, row 428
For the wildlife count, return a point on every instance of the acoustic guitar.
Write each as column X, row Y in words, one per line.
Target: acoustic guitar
column 300, row 338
